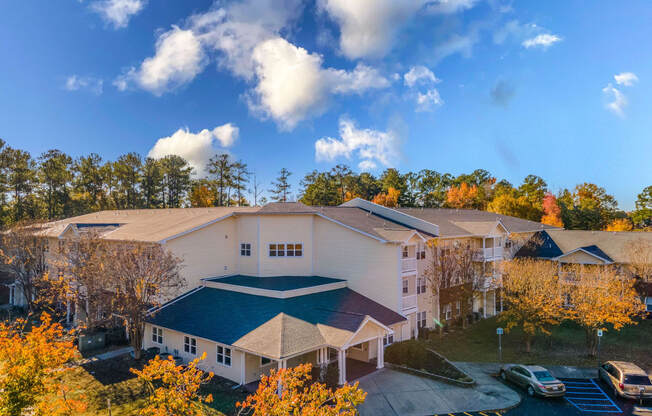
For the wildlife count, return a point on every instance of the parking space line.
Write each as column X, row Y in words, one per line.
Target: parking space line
column 587, row 396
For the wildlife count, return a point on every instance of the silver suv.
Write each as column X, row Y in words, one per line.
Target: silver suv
column 627, row 379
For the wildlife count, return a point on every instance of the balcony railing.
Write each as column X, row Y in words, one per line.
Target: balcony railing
column 489, row 253
column 408, row 264
column 409, row 302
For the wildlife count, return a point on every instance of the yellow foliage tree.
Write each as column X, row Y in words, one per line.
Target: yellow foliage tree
column 600, row 296
column 174, row 389
column 388, row 199
column 30, row 364
column 620, row 224
column 533, row 294
column 201, row 196
column 300, row 398
column 462, row 196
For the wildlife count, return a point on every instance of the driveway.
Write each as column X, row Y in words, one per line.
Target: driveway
column 392, row 392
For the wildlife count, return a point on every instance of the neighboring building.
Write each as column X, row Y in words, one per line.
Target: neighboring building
column 288, row 283
column 602, row 248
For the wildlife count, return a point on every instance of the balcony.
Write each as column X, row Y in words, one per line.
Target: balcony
column 490, row 253
column 484, row 283
column 408, row 265
column 409, row 302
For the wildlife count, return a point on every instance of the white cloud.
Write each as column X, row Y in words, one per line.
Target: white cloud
column 449, row 6
column 616, row 100
column 429, row 100
column 227, row 134
column 77, row 83
column 626, row 78
column 544, row 41
column 419, row 74
column 372, row 146
column 196, row 148
column 118, row 12
column 293, row 85
column 178, row 59
column 368, row 27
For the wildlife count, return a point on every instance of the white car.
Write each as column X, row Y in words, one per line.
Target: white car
column 627, row 379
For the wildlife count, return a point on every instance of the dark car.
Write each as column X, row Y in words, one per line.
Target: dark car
column 536, row 380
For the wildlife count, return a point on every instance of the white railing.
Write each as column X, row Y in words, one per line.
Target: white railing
column 409, row 301
column 408, row 264
column 489, row 253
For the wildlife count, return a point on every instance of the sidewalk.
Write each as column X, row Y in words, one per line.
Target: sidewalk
column 558, row 371
column 106, row 355
column 392, row 392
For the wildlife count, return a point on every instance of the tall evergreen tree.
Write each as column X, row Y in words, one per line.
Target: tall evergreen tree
column 221, row 168
column 151, row 183
column 281, row 187
column 128, row 171
column 55, row 175
column 22, row 180
column 88, row 183
column 176, row 180
column 240, row 179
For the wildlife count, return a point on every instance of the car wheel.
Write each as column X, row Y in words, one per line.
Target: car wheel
column 530, row 391
column 503, row 375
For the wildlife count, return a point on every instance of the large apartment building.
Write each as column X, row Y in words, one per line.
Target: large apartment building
column 286, row 283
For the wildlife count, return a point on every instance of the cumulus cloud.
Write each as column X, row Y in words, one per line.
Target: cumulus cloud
column 371, row 146
column 78, row 83
column 429, row 100
column 292, row 84
column 419, row 74
column 502, row 93
column 616, row 100
column 118, row 12
column 449, row 6
column 544, row 41
column 178, row 59
column 626, row 79
column 368, row 27
column 196, row 148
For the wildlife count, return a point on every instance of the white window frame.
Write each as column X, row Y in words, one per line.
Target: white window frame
column 388, row 339
column 226, row 354
column 269, row 361
column 458, row 307
column 421, row 285
column 421, row 319
column 406, row 252
column 448, row 314
column 406, row 286
column 285, row 249
column 294, row 249
column 190, row 345
column 157, row 335
column 357, row 347
column 245, row 249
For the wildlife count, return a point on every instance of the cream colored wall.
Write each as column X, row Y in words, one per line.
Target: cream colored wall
column 247, row 232
column 360, row 355
column 174, row 340
column 369, row 266
column 580, row 257
column 286, row 229
column 208, row 252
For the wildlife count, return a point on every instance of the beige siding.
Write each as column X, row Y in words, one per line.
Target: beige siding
column 247, row 232
column 208, row 252
column 369, row 266
column 580, row 257
column 286, row 229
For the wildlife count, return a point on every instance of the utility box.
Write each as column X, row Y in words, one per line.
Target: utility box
column 92, row 342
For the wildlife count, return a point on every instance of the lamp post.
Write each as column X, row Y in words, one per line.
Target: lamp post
column 499, row 332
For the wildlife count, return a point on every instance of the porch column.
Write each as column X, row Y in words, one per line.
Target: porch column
column 341, row 359
column 484, row 304
column 68, row 312
column 495, row 302
column 281, row 365
column 242, row 368
column 381, row 354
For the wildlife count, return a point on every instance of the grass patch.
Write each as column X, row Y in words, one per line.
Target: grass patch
column 566, row 345
column 111, row 379
column 414, row 354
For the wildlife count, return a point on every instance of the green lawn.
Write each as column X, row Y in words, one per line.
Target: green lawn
column 96, row 382
column 566, row 346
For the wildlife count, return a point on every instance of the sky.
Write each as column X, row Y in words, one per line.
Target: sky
column 557, row 89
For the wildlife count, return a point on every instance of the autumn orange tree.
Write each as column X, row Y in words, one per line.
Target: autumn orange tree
column 533, row 294
column 464, row 196
column 31, row 361
column 173, row 389
column 299, row 397
column 551, row 211
column 388, row 199
column 600, row 298
column 620, row 224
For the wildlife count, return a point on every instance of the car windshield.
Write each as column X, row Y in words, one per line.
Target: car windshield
column 638, row 380
column 543, row 376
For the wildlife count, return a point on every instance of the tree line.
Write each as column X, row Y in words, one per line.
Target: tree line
column 55, row 185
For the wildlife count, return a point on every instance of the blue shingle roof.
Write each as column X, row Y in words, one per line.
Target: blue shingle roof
column 595, row 250
column 280, row 283
column 541, row 245
column 225, row 316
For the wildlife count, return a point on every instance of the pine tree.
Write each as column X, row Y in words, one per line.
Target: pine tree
column 221, row 167
column 281, row 187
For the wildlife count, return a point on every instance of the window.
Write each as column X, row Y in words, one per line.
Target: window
column 406, row 288
column 649, row 303
column 458, row 308
column 245, row 249
column 286, row 250
column 157, row 335
column 447, row 311
column 421, row 285
column 190, row 345
column 388, row 339
column 406, row 252
column 358, row 347
column 421, row 252
column 224, row 355
column 421, row 319
column 265, row 360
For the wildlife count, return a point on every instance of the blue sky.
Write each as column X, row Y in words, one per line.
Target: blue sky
column 557, row 89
